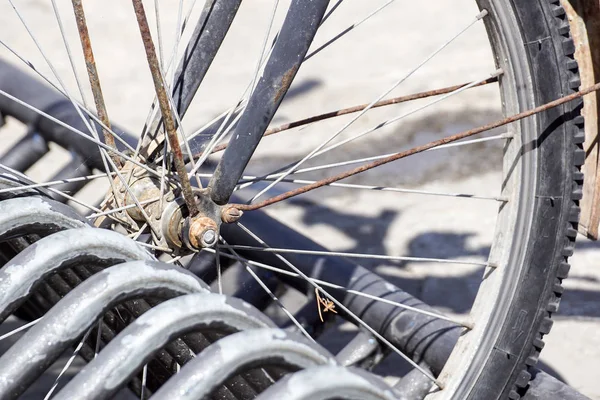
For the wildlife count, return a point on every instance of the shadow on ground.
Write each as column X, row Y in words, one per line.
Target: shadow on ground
column 453, row 293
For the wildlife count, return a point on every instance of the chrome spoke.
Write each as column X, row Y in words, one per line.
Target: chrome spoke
column 94, row 77
column 179, row 27
column 20, row 329
column 242, row 102
column 331, row 10
column 54, row 72
column 416, row 150
column 165, row 109
column 254, row 179
column 79, row 133
column 364, row 111
column 62, row 194
column 270, row 293
column 67, row 365
column 81, row 106
column 53, row 183
column 174, row 260
column 154, row 107
column 159, row 37
column 157, row 248
column 237, row 257
column 241, row 105
column 345, row 31
column 69, row 53
column 210, row 123
column 220, row 134
column 306, row 122
column 144, row 377
column 98, row 339
column 179, row 127
column 249, row 180
column 163, row 173
column 278, row 302
column 119, row 209
column 136, row 235
column 218, row 265
column 77, row 6
column 344, row 308
column 356, row 255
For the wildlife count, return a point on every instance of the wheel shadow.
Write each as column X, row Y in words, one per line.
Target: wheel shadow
column 454, row 293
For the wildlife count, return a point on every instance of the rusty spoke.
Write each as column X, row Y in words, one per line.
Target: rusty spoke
column 163, row 100
column 361, row 107
column 415, row 150
column 94, row 78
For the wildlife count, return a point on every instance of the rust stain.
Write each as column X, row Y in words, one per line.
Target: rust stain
column 198, row 228
column 229, row 215
column 286, row 81
column 94, row 79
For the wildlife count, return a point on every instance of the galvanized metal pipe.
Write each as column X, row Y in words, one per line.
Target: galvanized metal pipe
column 61, row 250
column 330, row 382
column 248, row 349
column 36, row 215
column 122, row 358
column 68, row 320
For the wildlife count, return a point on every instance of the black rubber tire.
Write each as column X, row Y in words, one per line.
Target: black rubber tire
column 559, row 146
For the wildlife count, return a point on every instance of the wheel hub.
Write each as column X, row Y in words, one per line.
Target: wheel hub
column 170, row 222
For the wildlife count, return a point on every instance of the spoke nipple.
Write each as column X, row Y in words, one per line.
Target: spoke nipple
column 230, row 215
column 468, row 325
column 482, row 14
column 139, row 172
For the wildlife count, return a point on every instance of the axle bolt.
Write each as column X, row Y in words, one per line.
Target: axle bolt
column 209, row 238
column 203, row 232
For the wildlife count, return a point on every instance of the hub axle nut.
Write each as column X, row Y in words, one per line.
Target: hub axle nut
column 203, row 232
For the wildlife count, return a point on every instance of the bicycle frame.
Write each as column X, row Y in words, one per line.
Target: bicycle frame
column 300, row 26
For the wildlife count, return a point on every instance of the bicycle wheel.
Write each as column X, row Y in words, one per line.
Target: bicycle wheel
column 516, row 190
